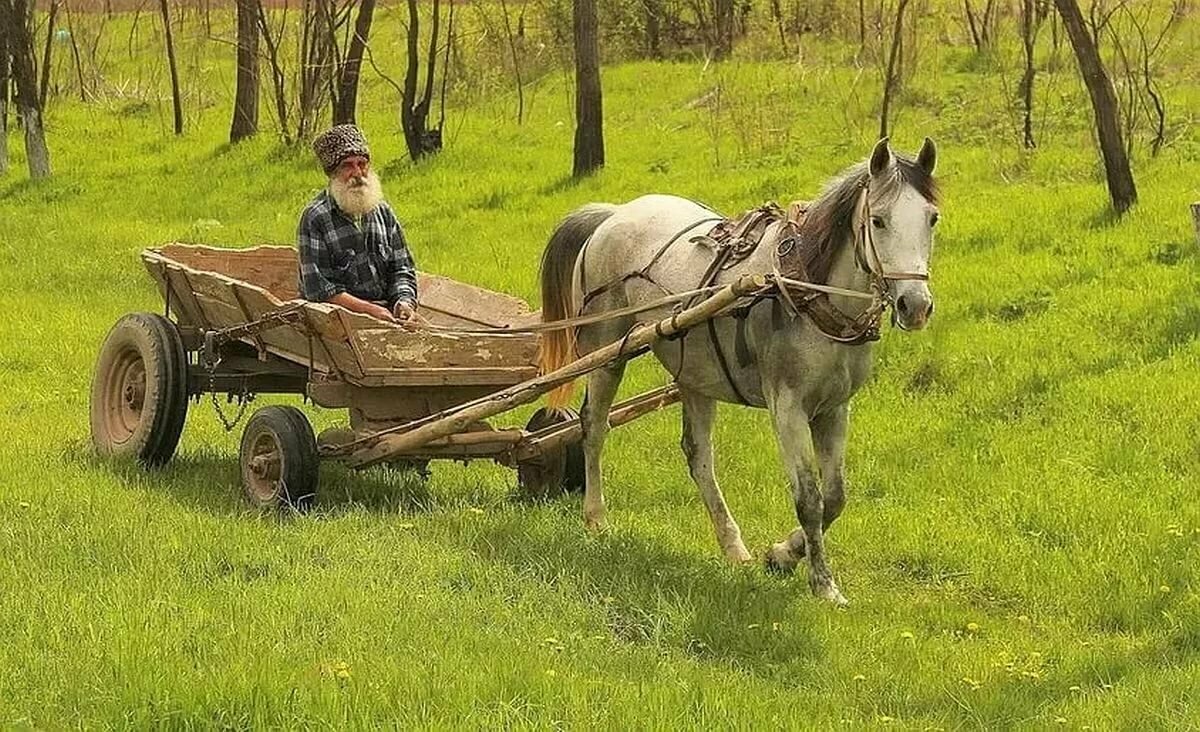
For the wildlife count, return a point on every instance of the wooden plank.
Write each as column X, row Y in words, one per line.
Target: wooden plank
column 384, row 348
column 327, row 326
column 469, row 303
column 538, row 443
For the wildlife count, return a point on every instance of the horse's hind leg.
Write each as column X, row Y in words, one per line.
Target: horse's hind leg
column 601, row 390
column 698, row 414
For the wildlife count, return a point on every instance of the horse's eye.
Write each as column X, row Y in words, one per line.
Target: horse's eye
column 877, row 222
column 934, row 219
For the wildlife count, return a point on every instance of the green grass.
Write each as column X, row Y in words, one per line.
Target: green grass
column 1022, row 531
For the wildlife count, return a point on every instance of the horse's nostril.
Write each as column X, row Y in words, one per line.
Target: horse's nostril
column 902, row 306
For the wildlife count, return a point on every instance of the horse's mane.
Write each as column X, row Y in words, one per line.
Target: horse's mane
column 829, row 220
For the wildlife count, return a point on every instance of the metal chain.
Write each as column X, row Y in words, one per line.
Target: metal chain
column 243, row 400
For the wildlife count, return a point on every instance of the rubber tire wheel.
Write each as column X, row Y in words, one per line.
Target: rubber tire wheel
column 143, row 351
column 285, row 438
column 557, row 471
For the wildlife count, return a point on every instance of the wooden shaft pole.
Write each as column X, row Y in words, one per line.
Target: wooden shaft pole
column 406, row 438
column 554, row 437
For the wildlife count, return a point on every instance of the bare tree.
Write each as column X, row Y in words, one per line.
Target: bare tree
column 414, row 111
column 245, row 102
column 176, row 97
column 981, row 25
column 1033, row 13
column 516, row 56
column 1128, row 28
column 589, row 108
column 273, row 40
column 723, row 21
column 890, row 76
column 349, row 69
column 44, row 86
column 1121, row 187
column 16, row 17
column 4, row 75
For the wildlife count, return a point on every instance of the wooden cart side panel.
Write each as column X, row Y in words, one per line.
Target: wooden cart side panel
column 175, row 290
column 275, row 269
column 442, row 297
column 333, row 342
column 384, row 348
column 272, row 268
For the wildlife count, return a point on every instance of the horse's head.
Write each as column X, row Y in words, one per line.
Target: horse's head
column 899, row 214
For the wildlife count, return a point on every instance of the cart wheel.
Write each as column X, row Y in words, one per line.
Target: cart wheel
column 139, row 391
column 279, row 459
column 556, row 471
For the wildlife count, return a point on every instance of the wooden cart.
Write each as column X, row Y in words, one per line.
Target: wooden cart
column 234, row 326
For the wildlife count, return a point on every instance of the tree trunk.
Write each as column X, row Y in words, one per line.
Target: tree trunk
column 4, row 58
column 20, row 44
column 589, row 111
column 1028, row 31
column 44, row 86
column 245, row 103
column 1121, row 187
column 414, row 112
column 346, row 105
column 723, row 21
column 277, row 75
column 889, row 81
column 1196, row 220
column 176, row 99
column 654, row 27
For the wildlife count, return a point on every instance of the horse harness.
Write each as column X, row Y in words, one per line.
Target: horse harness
column 734, row 240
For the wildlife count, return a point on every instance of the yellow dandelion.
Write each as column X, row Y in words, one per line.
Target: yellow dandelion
column 859, row 677
column 907, row 635
column 475, row 510
column 1165, row 589
column 1060, row 720
column 972, row 627
column 1023, row 618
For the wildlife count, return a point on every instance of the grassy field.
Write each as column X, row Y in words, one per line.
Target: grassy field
column 1022, row 534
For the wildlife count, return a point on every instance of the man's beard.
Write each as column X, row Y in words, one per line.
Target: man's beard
column 358, row 196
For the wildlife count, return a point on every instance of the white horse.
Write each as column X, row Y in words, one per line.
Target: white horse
column 871, row 228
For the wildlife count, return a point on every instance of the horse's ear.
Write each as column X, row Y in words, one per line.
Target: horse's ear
column 881, row 157
column 927, row 158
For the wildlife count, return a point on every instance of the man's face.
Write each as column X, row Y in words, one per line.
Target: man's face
column 353, row 171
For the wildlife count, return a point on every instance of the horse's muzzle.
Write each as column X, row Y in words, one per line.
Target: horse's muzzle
column 914, row 306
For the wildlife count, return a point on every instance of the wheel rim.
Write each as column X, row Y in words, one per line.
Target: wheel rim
column 124, row 397
column 264, row 468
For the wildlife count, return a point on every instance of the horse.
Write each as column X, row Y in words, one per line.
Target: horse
column 871, row 230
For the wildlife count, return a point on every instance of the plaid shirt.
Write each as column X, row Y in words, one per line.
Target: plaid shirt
column 369, row 260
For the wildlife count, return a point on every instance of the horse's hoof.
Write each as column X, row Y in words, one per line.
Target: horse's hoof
column 738, row 555
column 830, row 593
column 595, row 525
column 780, row 560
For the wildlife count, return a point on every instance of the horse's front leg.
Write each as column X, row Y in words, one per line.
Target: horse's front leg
column 829, row 439
column 800, row 459
column 699, row 413
column 601, row 390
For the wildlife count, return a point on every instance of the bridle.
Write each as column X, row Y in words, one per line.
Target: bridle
column 864, row 244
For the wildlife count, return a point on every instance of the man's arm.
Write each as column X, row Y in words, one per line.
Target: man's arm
column 403, row 272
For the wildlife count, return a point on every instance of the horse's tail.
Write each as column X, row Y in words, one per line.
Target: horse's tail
column 558, row 267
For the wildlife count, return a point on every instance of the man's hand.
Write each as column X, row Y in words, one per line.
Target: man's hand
column 378, row 311
column 404, row 311
column 358, row 305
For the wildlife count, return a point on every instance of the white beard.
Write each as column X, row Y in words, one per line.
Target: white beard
column 359, row 196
